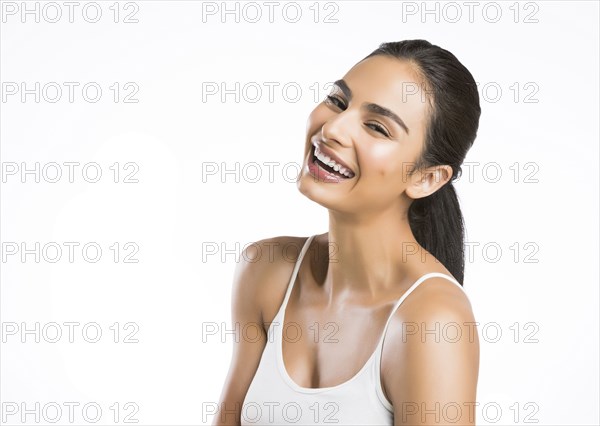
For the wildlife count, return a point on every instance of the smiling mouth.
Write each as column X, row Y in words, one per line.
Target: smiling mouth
column 331, row 166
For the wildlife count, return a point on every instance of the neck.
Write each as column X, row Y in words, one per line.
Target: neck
column 368, row 254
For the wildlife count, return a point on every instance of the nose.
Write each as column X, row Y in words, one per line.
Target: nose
column 336, row 130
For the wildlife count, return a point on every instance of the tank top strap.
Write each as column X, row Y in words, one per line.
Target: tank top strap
column 407, row 293
column 295, row 271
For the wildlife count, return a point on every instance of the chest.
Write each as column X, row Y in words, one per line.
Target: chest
column 324, row 347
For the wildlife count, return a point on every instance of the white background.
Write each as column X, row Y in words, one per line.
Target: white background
column 173, row 212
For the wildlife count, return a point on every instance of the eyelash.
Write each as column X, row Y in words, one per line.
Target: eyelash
column 380, row 128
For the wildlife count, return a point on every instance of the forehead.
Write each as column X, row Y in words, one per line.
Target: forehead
column 391, row 83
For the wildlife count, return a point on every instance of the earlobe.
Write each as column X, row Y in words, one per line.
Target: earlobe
column 417, row 187
column 429, row 181
column 413, row 191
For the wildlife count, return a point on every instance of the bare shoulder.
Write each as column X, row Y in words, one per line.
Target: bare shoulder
column 435, row 302
column 266, row 266
column 431, row 351
column 438, row 298
column 271, row 252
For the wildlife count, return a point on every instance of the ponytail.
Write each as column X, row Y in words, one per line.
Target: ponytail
column 437, row 223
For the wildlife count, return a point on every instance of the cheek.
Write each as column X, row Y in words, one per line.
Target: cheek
column 383, row 159
column 390, row 160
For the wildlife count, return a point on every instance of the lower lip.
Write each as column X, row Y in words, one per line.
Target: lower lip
column 320, row 173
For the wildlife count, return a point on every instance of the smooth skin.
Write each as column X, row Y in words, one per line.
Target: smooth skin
column 352, row 275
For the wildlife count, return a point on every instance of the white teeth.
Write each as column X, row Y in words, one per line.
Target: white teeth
column 337, row 167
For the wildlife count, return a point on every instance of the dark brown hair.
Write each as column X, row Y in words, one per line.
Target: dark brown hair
column 451, row 92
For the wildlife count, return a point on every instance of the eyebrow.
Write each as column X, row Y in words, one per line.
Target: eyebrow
column 371, row 107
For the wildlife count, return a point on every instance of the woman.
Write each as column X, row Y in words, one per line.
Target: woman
column 381, row 153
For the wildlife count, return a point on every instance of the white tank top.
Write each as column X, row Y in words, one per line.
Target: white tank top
column 274, row 398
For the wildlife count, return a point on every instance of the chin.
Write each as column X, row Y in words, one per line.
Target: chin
column 317, row 192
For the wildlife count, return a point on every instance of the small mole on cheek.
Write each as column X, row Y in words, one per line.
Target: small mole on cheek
column 383, row 172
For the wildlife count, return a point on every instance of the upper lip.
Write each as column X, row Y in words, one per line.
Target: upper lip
column 317, row 143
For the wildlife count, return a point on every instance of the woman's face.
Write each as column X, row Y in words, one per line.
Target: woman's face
column 378, row 149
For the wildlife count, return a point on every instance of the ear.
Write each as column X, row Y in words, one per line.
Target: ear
column 427, row 181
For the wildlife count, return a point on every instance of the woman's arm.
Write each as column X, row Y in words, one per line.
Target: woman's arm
column 245, row 308
column 259, row 286
column 431, row 378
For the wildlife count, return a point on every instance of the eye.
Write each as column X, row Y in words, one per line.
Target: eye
column 334, row 100
column 340, row 104
column 379, row 128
